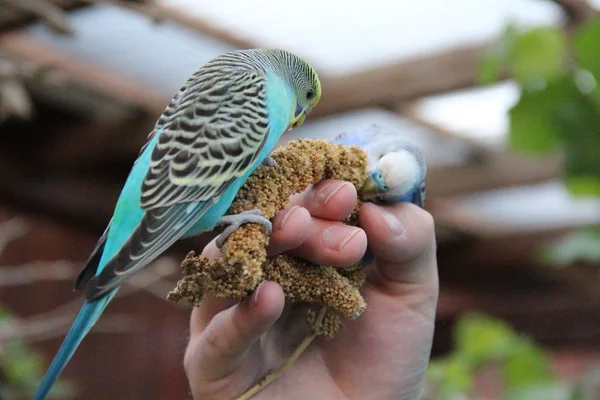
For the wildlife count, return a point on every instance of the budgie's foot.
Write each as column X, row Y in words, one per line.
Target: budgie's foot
column 270, row 162
column 234, row 221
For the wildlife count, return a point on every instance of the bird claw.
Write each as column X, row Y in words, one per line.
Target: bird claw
column 270, row 162
column 234, row 221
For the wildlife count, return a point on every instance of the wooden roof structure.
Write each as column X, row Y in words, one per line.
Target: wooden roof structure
column 89, row 110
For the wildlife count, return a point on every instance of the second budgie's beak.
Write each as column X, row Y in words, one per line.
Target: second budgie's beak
column 369, row 188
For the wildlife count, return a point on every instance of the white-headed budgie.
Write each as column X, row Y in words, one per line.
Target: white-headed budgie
column 218, row 128
column 396, row 169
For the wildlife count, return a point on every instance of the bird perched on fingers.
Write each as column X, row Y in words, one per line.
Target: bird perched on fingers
column 396, row 167
column 214, row 133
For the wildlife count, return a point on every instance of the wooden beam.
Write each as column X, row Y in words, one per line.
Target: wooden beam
column 196, row 23
column 91, row 76
column 451, row 70
column 85, row 145
column 18, row 12
column 455, row 222
column 576, row 11
column 160, row 12
column 477, row 151
column 495, row 171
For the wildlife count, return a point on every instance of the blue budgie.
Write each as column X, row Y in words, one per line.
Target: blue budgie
column 214, row 133
column 396, row 168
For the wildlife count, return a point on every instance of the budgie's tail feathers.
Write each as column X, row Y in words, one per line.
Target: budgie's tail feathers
column 88, row 315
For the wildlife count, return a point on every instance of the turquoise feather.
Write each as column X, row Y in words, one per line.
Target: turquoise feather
column 128, row 212
column 184, row 218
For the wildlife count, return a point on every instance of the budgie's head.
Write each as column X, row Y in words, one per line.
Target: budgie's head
column 302, row 78
column 396, row 169
column 397, row 176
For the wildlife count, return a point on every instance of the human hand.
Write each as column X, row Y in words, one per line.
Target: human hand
column 381, row 355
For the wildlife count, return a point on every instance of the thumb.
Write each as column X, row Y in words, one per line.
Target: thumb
column 402, row 239
column 216, row 350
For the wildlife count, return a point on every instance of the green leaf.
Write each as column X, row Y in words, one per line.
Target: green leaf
column 534, row 127
column 525, row 365
column 539, row 54
column 583, row 185
column 585, row 43
column 20, row 365
column 579, row 121
column 496, row 58
column 480, row 339
column 546, row 391
column 578, row 246
column 450, row 377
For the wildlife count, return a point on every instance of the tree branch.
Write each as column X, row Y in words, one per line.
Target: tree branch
column 52, row 15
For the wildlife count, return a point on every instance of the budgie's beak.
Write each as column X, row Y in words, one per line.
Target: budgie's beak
column 297, row 121
column 299, row 117
column 369, row 188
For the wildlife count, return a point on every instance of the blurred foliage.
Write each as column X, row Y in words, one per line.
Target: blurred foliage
column 577, row 247
column 21, row 368
column 559, row 107
column 522, row 367
column 559, row 110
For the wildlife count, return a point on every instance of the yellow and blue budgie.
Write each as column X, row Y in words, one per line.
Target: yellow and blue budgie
column 219, row 127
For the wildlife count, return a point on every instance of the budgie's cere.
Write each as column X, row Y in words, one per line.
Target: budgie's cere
column 221, row 125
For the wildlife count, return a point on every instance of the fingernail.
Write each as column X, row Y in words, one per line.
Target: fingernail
column 327, row 192
column 287, row 214
column 254, row 301
column 336, row 237
column 392, row 221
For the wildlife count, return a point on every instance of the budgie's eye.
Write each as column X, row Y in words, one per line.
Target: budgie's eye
column 310, row 94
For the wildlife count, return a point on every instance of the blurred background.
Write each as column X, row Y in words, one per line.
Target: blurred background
column 501, row 95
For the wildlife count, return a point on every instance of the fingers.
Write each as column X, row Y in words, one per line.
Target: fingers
column 318, row 239
column 402, row 240
column 332, row 243
column 222, row 345
column 329, row 199
column 291, row 227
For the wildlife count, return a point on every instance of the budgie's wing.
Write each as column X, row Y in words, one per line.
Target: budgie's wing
column 91, row 265
column 376, row 141
column 211, row 136
column 359, row 137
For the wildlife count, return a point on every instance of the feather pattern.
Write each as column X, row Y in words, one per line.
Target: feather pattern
column 215, row 131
